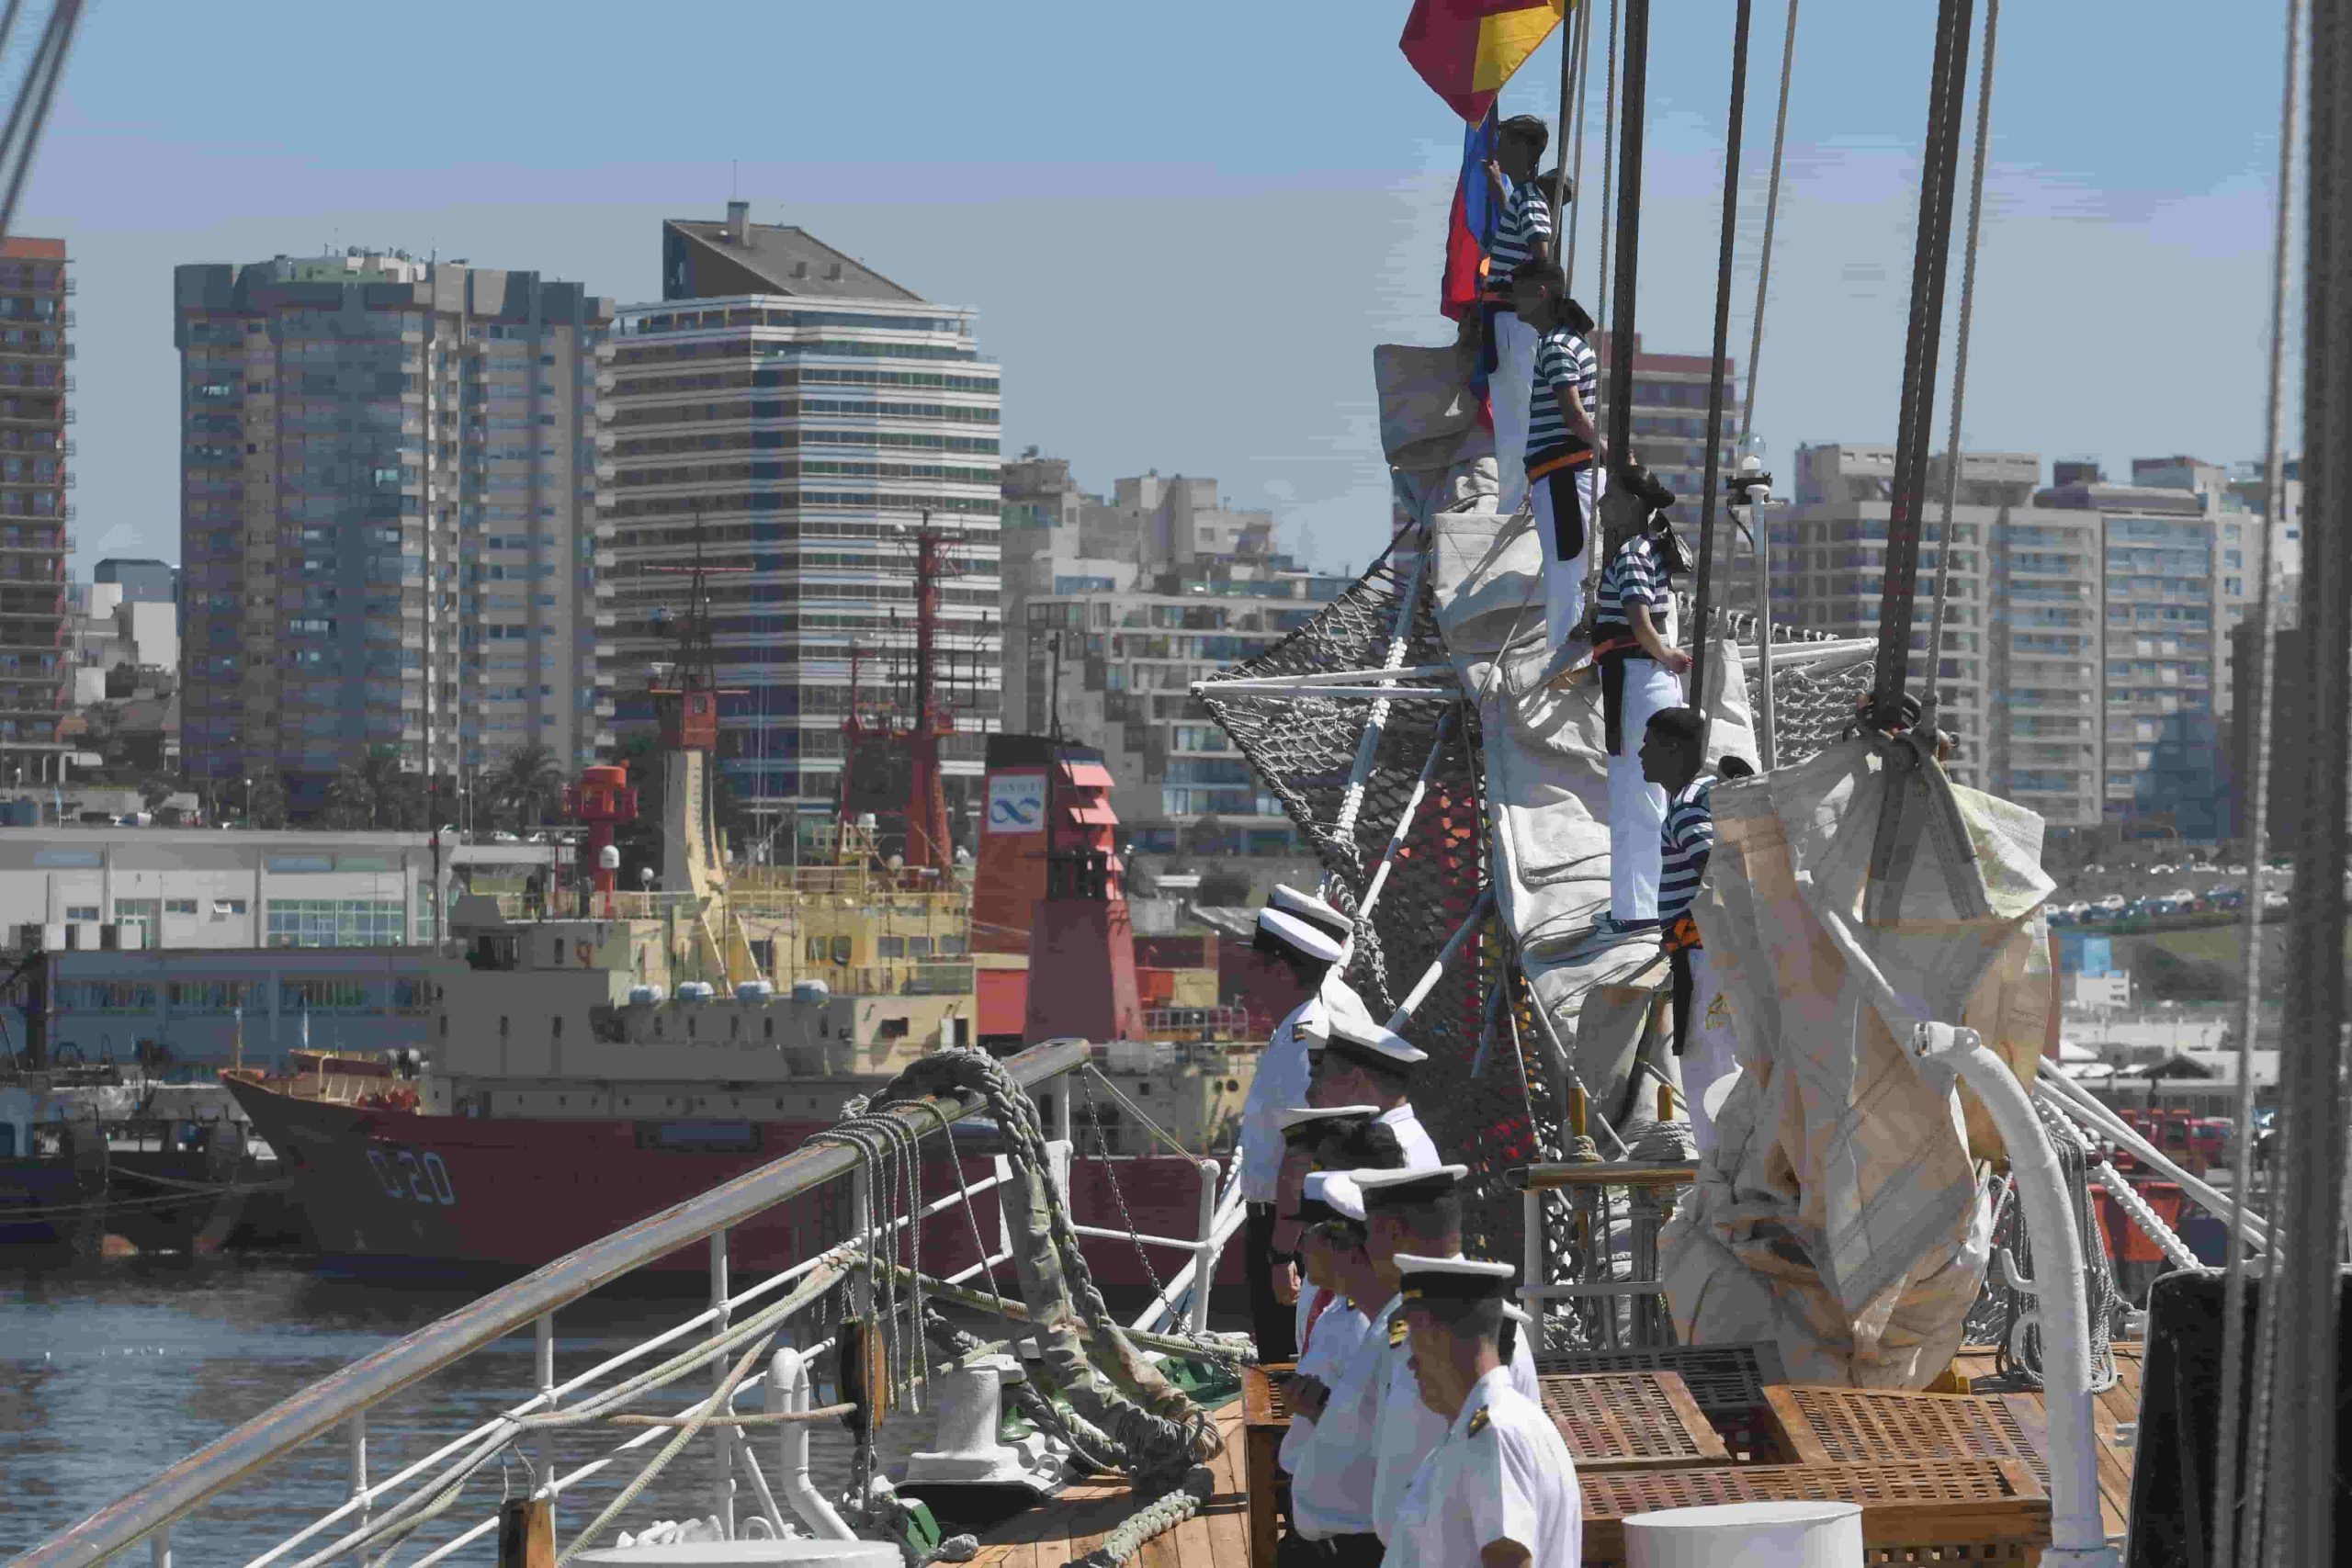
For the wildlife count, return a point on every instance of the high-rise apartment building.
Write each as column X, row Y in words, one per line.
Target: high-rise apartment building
column 2084, row 667
column 789, row 416
column 1670, row 417
column 34, row 540
column 387, row 466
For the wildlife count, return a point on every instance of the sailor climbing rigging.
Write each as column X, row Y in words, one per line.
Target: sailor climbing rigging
column 1523, row 235
column 1641, row 670
column 1564, row 454
column 1674, row 759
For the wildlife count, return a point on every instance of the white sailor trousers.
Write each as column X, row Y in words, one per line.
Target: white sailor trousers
column 1637, row 810
column 1509, row 390
column 1710, row 1049
column 1564, row 580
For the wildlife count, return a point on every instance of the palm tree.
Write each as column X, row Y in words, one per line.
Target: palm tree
column 266, row 802
column 526, row 785
column 374, row 794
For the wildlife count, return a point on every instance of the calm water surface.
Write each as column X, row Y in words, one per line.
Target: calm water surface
column 110, row 1373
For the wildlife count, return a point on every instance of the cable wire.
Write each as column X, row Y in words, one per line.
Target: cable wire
column 1960, row 371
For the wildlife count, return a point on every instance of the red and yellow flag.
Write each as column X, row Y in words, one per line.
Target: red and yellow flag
column 1466, row 49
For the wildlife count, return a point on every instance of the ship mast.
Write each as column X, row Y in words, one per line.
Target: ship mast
column 927, row 841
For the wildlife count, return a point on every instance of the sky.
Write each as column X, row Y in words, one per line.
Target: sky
column 1184, row 227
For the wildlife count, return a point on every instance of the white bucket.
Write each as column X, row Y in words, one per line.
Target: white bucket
column 1754, row 1535
column 735, row 1553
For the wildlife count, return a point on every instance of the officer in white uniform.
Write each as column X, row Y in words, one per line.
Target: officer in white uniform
column 1330, row 1493
column 1308, row 1130
column 1499, row 1488
column 1333, row 1334
column 1415, row 1212
column 1360, row 1059
column 1310, row 937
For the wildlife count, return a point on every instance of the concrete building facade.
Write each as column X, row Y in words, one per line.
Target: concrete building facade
column 142, row 581
column 35, row 411
column 791, row 416
column 1127, row 656
column 198, row 887
column 387, row 472
column 2085, row 666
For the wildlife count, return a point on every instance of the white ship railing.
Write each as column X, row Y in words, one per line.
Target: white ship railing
column 734, row 1322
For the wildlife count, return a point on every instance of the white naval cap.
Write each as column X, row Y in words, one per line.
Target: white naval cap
column 1279, row 931
column 1333, row 1192
column 1312, row 910
column 1307, row 1115
column 1455, row 1279
column 1350, row 1030
column 1394, row 1189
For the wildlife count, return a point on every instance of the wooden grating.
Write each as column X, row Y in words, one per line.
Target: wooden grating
column 1725, row 1380
column 1829, row 1425
column 1971, row 1510
column 1629, row 1421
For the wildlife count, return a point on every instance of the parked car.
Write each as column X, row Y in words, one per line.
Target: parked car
column 2233, row 871
column 2274, row 899
column 2112, row 902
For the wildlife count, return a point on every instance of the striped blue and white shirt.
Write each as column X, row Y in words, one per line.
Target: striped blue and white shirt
column 1634, row 576
column 1526, row 218
column 1684, row 844
column 1561, row 359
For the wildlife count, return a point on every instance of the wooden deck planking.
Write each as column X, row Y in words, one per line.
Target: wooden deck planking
column 1074, row 1523
column 2112, row 1407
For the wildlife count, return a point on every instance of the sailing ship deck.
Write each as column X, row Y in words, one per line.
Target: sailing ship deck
column 1075, row 1522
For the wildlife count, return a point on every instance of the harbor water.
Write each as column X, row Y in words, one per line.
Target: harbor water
column 111, row 1373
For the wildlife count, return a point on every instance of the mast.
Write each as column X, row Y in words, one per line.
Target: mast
column 927, row 841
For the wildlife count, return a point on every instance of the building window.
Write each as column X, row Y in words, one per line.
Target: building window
column 326, row 996
column 179, row 905
column 146, row 912
column 337, row 922
column 83, row 913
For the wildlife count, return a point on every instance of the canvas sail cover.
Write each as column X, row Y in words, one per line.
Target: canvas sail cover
column 1839, row 1213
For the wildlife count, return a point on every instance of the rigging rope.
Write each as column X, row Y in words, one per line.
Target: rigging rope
column 1618, row 403
column 1572, row 223
column 1725, row 248
column 2244, row 1541
column 1930, row 255
column 1767, row 714
column 1960, row 372
column 2303, row 1289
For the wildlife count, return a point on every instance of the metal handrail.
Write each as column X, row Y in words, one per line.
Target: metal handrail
column 333, row 1400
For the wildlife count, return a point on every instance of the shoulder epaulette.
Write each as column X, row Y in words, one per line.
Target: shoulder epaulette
column 1397, row 1330
column 1482, row 1419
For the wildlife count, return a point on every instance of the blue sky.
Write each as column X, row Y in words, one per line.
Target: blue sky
column 1184, row 226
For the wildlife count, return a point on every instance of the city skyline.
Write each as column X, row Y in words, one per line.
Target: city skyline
column 1068, row 206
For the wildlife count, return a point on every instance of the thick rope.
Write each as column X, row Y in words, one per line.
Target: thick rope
column 1930, row 256
column 2243, row 1543
column 1959, row 368
column 1726, row 247
column 1767, row 708
column 2151, row 1223
column 699, row 1418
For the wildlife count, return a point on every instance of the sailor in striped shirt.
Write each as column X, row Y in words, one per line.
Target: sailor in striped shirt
column 1641, row 673
column 1674, row 760
column 1563, row 471
column 1522, row 234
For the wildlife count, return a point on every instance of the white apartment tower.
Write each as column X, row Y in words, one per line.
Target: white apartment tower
column 790, row 416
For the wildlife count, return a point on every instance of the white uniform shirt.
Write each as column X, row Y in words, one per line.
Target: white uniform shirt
column 1419, row 1153
column 1301, row 1310
column 1330, row 1489
column 1410, row 1431
column 1280, row 1086
column 1501, row 1473
column 1339, row 1329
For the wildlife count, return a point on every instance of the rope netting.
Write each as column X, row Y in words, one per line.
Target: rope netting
column 1481, row 1104
column 1305, row 752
